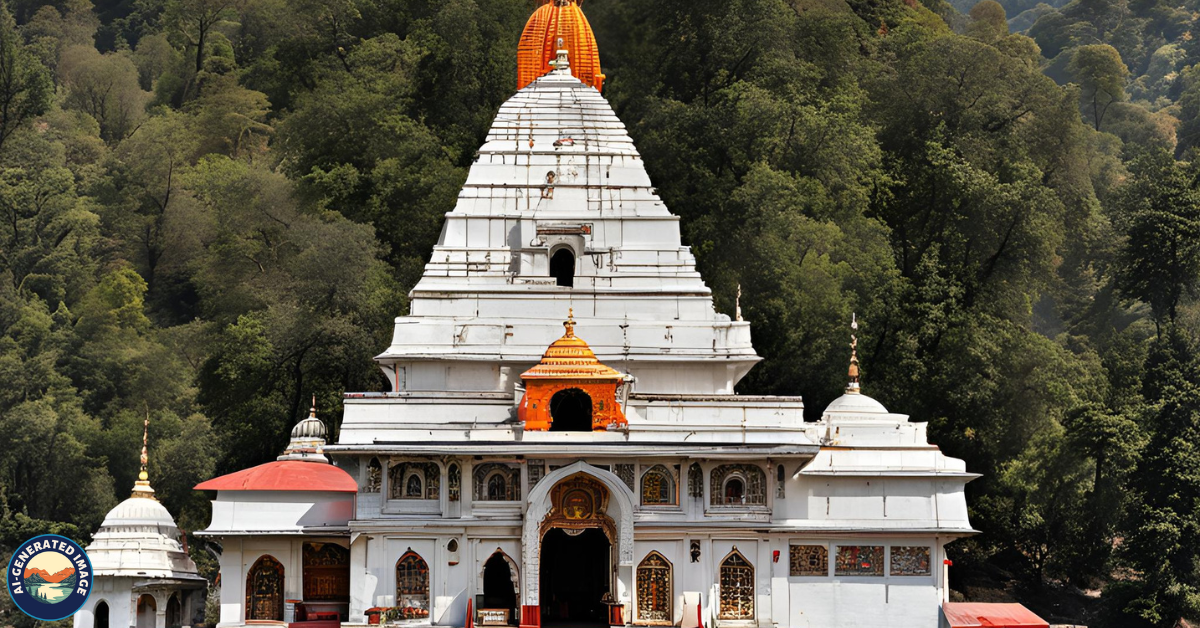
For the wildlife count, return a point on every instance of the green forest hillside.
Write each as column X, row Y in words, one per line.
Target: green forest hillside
column 211, row 209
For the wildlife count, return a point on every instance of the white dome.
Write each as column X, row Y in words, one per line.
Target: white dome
column 139, row 538
column 856, row 404
column 139, row 511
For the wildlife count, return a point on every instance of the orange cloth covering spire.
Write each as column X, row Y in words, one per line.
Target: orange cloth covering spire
column 539, row 44
column 569, row 363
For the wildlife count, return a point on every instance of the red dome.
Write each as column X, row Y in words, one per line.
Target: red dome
column 284, row 475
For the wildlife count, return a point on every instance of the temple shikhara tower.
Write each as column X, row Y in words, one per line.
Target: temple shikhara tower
column 562, row 444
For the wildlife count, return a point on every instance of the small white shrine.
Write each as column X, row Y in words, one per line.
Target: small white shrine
column 143, row 575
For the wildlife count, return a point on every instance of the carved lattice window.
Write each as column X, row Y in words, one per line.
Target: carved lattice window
column 412, row 585
column 414, row 480
column 536, row 469
column 374, row 476
column 326, row 572
column 809, row 560
column 495, row 482
column 910, row 561
column 625, row 472
column 454, row 482
column 859, row 560
column 654, row 589
column 738, row 485
column 737, row 587
column 658, row 486
column 695, row 481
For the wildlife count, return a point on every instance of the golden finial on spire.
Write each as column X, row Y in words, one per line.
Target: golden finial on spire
column 570, row 323
column 141, row 488
column 312, row 411
column 853, row 387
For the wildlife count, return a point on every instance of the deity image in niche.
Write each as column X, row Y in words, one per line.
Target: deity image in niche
column 577, row 504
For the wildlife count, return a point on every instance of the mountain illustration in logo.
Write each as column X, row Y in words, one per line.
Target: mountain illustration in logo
column 40, row 576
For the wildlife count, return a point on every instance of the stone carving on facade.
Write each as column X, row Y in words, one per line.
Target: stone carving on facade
column 625, row 472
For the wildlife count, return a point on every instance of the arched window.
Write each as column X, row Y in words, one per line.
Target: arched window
column 264, row 590
column 374, row 475
column 562, row 267
column 654, row 595
column 101, row 614
column 737, row 587
column 497, row 486
column 570, row 411
column 147, row 610
column 412, row 586
column 174, row 612
column 737, row 485
column 497, row 482
column 414, row 480
column 658, row 487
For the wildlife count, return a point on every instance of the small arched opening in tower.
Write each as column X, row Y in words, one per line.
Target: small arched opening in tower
column 570, row 411
column 562, row 267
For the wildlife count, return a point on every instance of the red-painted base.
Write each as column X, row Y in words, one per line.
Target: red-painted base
column 531, row 617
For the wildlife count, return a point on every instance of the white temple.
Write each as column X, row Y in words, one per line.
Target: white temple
column 609, row 475
column 143, row 577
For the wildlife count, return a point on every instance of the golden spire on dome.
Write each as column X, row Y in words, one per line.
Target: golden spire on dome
column 141, row 488
column 853, row 387
column 569, row 324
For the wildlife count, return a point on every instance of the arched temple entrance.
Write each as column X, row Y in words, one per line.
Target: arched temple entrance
column 500, row 585
column 584, row 514
column 576, row 577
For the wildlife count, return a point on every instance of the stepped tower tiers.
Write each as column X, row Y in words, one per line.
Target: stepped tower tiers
column 531, row 477
column 558, row 212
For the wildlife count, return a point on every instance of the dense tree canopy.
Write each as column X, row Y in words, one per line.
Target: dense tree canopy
column 210, row 209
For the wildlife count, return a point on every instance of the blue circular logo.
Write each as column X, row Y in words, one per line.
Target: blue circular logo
column 49, row 577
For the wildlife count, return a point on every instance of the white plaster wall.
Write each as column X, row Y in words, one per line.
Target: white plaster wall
column 276, row 511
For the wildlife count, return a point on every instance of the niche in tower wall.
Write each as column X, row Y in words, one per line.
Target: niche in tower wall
column 326, row 573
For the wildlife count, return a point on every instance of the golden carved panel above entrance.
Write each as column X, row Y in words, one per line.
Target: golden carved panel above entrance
column 578, row 503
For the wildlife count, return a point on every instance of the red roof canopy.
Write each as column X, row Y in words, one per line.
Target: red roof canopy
column 972, row 614
column 284, row 475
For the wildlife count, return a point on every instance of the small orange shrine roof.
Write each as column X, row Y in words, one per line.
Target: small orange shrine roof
column 539, row 43
column 570, row 357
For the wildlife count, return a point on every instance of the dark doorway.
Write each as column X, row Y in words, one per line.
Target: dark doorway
column 498, row 589
column 102, row 615
column 574, row 578
column 570, row 411
column 562, row 267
